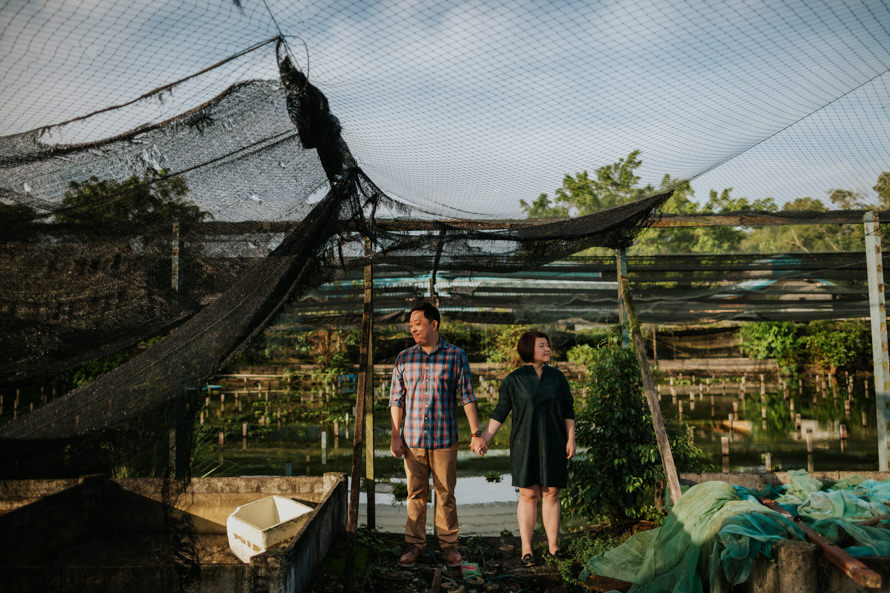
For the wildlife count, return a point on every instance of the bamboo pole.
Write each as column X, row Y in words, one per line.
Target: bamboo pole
column 358, row 445
column 664, row 445
column 368, row 387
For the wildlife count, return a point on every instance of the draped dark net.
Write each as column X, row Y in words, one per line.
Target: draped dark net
column 268, row 203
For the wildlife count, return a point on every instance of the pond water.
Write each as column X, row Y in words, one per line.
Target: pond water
column 762, row 425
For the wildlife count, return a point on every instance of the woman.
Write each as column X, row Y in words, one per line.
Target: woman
column 541, row 440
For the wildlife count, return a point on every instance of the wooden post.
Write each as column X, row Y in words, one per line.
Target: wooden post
column 176, row 256
column 621, row 269
column 724, row 450
column 664, row 445
column 358, row 443
column 810, row 464
column 878, row 314
column 368, row 311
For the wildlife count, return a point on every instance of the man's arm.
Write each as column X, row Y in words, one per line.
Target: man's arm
column 396, row 444
column 477, row 443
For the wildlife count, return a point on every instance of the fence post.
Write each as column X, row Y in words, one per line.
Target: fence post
column 878, row 314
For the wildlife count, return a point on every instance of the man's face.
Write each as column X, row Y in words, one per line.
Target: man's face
column 424, row 331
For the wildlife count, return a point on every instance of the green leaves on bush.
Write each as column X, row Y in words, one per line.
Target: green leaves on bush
column 828, row 344
column 620, row 470
column 831, row 345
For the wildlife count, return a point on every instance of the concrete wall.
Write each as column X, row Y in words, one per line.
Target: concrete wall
column 309, row 548
column 154, row 535
column 760, row 480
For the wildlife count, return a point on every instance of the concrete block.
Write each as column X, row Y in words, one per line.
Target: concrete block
column 796, row 562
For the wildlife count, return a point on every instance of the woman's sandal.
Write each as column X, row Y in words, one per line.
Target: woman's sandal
column 557, row 555
column 527, row 560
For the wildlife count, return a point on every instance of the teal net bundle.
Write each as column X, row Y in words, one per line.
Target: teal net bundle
column 83, row 279
column 713, row 535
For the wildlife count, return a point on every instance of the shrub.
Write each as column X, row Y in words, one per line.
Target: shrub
column 622, row 465
column 501, row 347
column 771, row 339
column 831, row 345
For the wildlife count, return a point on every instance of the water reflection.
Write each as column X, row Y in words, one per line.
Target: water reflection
column 758, row 416
column 778, row 418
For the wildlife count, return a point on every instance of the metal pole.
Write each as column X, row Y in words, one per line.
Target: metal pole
column 878, row 314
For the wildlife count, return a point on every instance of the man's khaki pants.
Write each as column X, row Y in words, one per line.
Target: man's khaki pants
column 442, row 464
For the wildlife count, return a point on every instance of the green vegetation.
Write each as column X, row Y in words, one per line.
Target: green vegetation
column 764, row 340
column 617, row 183
column 832, row 345
column 153, row 198
column 617, row 476
column 829, row 345
column 13, row 214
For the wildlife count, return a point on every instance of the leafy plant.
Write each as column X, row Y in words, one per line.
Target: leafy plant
column 399, row 491
column 501, row 347
column 155, row 197
column 771, row 339
column 621, row 466
column 493, row 476
column 831, row 345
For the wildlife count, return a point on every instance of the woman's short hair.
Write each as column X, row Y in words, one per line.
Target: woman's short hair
column 526, row 345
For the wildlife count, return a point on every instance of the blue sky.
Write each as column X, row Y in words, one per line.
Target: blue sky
column 464, row 108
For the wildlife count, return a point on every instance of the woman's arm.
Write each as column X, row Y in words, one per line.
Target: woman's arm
column 493, row 427
column 570, row 441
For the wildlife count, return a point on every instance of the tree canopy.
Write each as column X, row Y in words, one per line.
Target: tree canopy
column 617, row 183
column 154, row 198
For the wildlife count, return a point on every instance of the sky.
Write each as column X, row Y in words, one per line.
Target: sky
column 464, row 108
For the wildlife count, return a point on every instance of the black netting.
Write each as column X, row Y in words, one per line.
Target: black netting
column 90, row 277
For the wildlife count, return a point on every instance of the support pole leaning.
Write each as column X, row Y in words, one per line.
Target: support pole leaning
column 664, row 445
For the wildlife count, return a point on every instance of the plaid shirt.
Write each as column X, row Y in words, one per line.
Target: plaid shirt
column 425, row 386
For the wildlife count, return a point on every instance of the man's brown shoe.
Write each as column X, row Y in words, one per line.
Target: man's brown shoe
column 452, row 558
column 409, row 558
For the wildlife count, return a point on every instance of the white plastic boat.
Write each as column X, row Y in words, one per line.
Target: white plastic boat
column 264, row 524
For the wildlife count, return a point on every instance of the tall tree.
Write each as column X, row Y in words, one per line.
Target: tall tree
column 610, row 186
column 154, row 198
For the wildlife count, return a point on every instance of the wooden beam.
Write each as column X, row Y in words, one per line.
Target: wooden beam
column 850, row 566
column 741, row 218
column 664, row 445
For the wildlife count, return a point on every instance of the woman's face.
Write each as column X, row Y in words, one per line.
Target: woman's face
column 542, row 350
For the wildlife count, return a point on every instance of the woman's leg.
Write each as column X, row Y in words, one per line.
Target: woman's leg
column 527, row 515
column 550, row 515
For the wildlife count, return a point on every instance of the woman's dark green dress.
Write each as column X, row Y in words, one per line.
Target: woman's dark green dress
column 538, row 438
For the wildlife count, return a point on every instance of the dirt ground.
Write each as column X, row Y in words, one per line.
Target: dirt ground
column 376, row 568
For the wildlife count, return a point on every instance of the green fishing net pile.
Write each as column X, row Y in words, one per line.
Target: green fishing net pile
column 712, row 536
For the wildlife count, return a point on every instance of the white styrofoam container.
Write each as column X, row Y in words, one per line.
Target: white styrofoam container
column 264, row 524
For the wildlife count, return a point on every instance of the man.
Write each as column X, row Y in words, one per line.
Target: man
column 425, row 381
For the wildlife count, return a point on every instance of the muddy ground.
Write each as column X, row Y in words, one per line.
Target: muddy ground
column 376, row 569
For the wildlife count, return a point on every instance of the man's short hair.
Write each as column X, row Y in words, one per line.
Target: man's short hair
column 526, row 345
column 429, row 311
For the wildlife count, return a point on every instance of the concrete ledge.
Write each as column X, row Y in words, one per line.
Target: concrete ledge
column 155, row 535
column 760, row 480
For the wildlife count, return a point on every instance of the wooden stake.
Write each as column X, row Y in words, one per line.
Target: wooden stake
column 664, row 445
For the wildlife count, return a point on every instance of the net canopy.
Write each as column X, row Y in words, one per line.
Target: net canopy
column 130, row 128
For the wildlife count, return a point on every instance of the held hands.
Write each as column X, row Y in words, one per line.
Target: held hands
column 479, row 445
